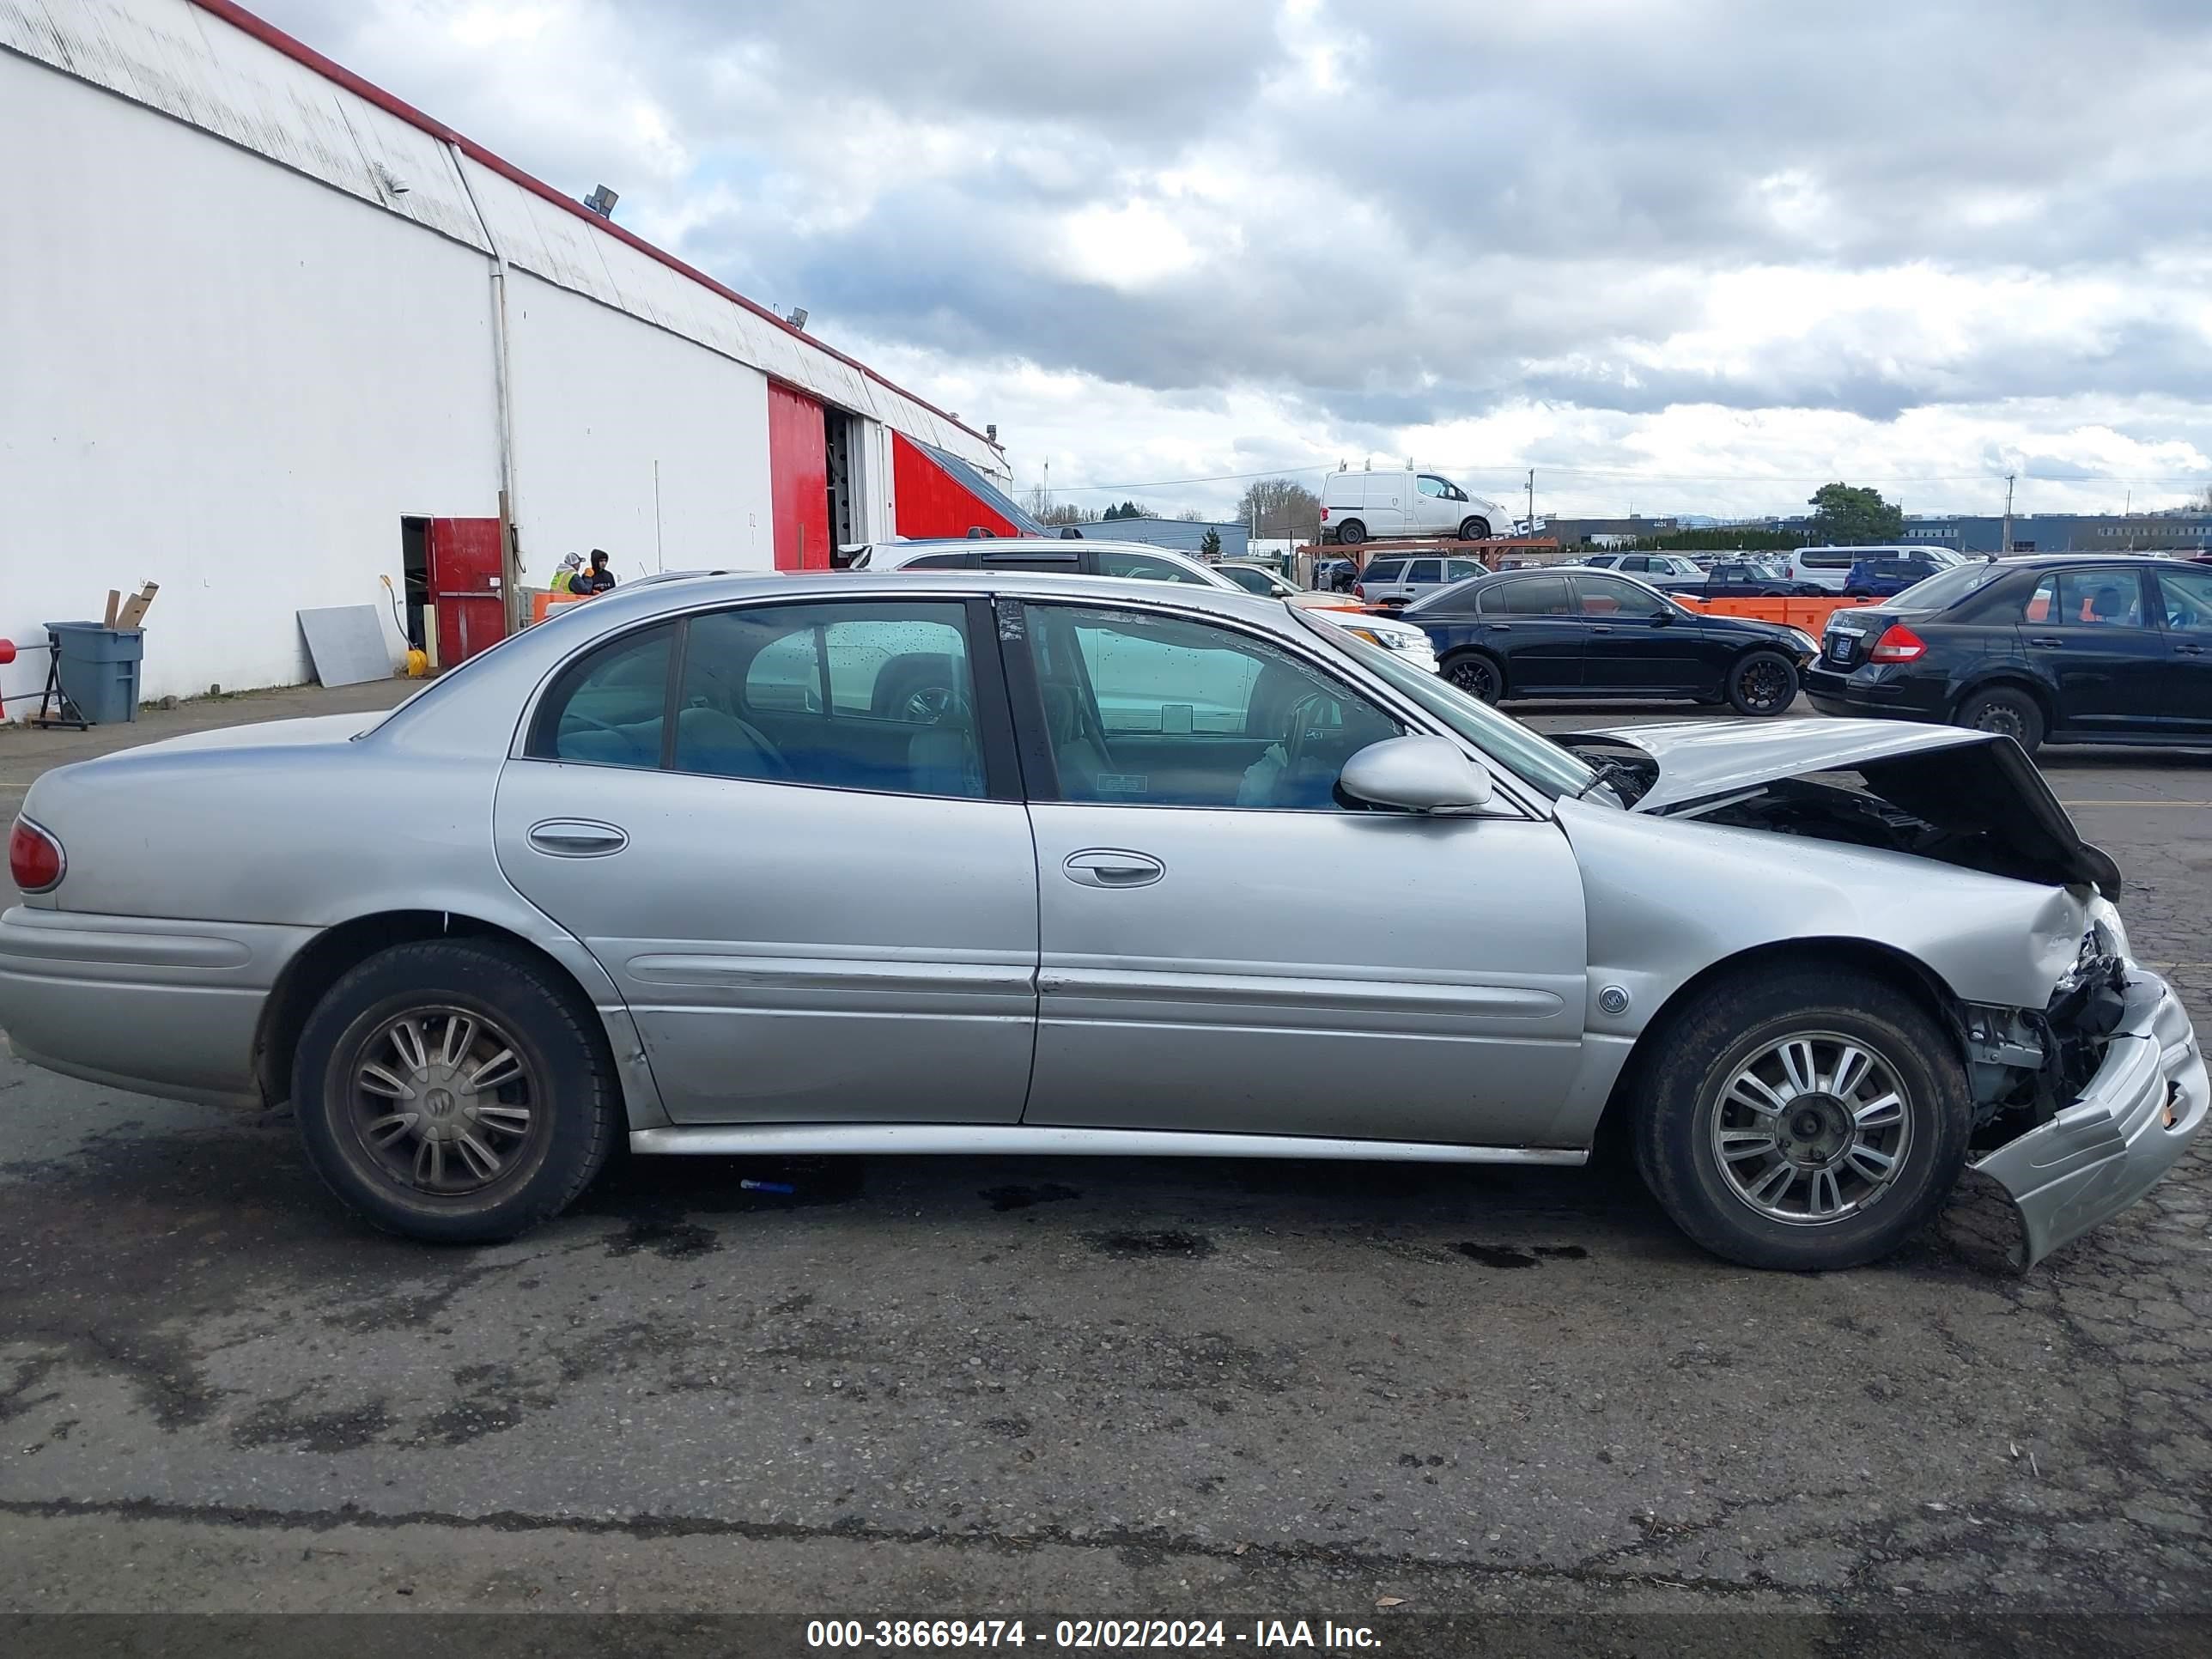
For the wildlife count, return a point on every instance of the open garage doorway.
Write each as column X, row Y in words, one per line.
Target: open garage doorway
column 415, row 572
column 840, row 443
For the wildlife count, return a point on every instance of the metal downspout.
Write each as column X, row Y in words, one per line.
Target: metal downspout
column 510, row 552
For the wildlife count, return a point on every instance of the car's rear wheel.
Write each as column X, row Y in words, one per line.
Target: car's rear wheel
column 1351, row 533
column 1474, row 530
column 2006, row 710
column 1478, row 674
column 1807, row 1118
column 451, row 1090
column 1762, row 684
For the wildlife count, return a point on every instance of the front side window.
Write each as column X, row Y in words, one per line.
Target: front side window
column 1436, row 489
column 2186, row 598
column 1251, row 580
column 1607, row 596
column 940, row 562
column 1143, row 567
column 875, row 696
column 1531, row 596
column 1458, row 570
column 1163, row 711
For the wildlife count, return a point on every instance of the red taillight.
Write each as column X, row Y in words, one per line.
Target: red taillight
column 34, row 858
column 1324, row 515
column 1898, row 643
column 1359, row 590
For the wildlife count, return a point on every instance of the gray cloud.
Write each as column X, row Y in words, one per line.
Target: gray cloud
column 1500, row 209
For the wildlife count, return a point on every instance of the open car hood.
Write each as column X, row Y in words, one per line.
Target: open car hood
column 1962, row 785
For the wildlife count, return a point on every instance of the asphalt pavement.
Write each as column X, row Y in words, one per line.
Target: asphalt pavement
column 1083, row 1387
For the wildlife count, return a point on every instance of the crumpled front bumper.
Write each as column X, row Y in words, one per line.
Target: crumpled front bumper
column 2129, row 1127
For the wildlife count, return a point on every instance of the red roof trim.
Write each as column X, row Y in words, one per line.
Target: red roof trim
column 270, row 35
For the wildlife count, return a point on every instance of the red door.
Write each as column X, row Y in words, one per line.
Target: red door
column 798, row 479
column 464, row 585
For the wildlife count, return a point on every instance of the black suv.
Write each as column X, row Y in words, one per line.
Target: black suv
column 2058, row 648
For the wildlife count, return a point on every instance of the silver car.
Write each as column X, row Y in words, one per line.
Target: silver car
column 698, row 867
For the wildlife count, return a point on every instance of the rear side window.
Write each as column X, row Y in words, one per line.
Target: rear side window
column 1426, row 570
column 942, row 562
column 1142, row 566
column 1385, row 570
column 2087, row 598
column 1531, row 595
column 607, row 707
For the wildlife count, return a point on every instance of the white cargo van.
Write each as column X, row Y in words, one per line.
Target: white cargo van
column 1829, row 566
column 1357, row 507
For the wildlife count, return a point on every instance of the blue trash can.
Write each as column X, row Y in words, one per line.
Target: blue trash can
column 99, row 668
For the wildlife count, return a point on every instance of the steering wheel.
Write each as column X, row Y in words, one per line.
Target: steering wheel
column 927, row 705
column 1294, row 739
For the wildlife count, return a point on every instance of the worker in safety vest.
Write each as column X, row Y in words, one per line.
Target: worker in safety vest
column 570, row 563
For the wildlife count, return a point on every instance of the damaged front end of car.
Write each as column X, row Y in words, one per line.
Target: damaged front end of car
column 2082, row 1104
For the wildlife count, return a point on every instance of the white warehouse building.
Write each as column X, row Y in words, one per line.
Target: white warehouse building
column 272, row 335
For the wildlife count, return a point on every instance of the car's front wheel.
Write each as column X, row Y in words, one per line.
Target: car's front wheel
column 1474, row 530
column 1807, row 1119
column 452, row 1090
column 1762, row 683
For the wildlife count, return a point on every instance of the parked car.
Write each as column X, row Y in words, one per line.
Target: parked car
column 1581, row 632
column 1830, row 567
column 1885, row 577
column 1667, row 570
column 1263, row 580
column 1748, row 578
column 1395, row 579
column 677, row 869
column 1336, row 575
column 2051, row 648
column 1132, row 562
column 1357, row 507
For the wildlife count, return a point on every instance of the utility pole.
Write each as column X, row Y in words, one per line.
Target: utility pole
column 1532, row 501
column 2004, row 537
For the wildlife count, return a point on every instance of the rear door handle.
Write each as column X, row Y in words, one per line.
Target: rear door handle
column 1111, row 866
column 578, row 838
column 2048, row 641
column 2189, row 650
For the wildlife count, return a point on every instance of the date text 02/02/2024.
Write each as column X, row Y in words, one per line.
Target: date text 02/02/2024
column 1087, row 1634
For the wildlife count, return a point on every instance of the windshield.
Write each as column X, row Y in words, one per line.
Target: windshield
column 1535, row 760
column 1946, row 587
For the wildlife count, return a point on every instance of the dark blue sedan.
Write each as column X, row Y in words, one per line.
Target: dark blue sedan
column 1581, row 632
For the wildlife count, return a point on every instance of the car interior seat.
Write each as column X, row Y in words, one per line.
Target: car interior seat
column 1079, row 759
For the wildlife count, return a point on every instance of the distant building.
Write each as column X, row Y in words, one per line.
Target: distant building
column 2067, row 532
column 1184, row 535
column 1605, row 533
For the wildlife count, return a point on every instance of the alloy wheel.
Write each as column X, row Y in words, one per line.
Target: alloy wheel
column 1765, row 684
column 444, row 1102
column 1475, row 677
column 1812, row 1128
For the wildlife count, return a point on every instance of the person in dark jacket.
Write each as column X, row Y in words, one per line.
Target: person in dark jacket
column 594, row 577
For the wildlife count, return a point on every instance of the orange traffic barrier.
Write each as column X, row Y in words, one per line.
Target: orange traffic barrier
column 541, row 604
column 1811, row 615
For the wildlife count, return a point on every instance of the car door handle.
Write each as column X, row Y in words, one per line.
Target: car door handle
column 577, row 838
column 1109, row 866
column 1501, row 628
column 2189, row 650
column 2048, row 641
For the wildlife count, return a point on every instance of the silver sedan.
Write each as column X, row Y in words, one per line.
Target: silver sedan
column 975, row 862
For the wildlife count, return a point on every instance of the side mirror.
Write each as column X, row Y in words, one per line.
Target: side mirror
column 1416, row 774
column 1663, row 617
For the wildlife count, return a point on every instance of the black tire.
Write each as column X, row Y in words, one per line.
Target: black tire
column 1762, row 684
column 1351, row 533
column 1477, row 673
column 2005, row 708
column 564, row 1094
column 1474, row 530
column 1686, row 1087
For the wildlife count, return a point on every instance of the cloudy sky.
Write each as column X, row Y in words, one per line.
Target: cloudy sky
column 1682, row 255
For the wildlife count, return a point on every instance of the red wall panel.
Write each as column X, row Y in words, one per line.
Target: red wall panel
column 798, row 479
column 931, row 501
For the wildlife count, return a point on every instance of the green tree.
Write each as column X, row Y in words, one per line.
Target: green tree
column 1844, row 516
column 1131, row 510
column 1210, row 547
